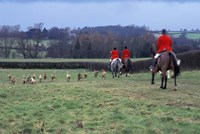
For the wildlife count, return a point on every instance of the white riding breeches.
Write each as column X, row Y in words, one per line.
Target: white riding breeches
column 157, row 55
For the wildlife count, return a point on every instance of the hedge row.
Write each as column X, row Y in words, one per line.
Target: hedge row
column 189, row 61
column 54, row 65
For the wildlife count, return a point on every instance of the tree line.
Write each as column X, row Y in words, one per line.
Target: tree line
column 87, row 42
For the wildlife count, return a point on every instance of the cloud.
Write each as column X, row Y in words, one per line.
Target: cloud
column 83, row 1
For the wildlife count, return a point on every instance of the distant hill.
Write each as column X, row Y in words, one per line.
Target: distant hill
column 118, row 30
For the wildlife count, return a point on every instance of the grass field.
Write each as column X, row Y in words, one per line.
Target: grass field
column 192, row 36
column 94, row 105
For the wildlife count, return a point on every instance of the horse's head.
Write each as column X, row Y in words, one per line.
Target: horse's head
column 153, row 52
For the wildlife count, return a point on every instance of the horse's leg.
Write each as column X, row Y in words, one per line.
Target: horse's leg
column 162, row 79
column 175, row 85
column 126, row 72
column 152, row 79
column 165, row 80
column 112, row 73
column 153, row 72
column 118, row 71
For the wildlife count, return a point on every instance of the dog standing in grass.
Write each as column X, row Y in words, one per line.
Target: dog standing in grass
column 9, row 77
column 96, row 72
column 68, row 77
column 79, row 76
column 103, row 73
column 32, row 80
column 85, row 74
column 13, row 80
column 53, row 77
column 40, row 78
column 45, row 76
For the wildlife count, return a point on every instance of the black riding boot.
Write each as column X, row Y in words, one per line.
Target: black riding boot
column 153, row 64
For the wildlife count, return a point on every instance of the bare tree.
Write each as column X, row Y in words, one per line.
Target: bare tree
column 34, row 43
column 8, row 37
column 30, row 43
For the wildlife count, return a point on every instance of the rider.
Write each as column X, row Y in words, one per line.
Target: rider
column 164, row 43
column 125, row 53
column 114, row 54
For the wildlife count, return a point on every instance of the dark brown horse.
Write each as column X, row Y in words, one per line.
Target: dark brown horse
column 166, row 61
column 127, row 65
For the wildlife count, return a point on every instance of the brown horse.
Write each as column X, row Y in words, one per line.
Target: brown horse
column 127, row 66
column 166, row 61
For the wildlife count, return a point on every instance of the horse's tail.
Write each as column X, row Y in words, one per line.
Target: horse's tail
column 118, row 63
column 176, row 66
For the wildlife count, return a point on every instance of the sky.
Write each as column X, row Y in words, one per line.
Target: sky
column 154, row 14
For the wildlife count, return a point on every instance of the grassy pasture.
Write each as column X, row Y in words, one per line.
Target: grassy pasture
column 193, row 36
column 94, row 105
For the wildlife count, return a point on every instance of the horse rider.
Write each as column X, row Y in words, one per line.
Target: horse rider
column 125, row 54
column 164, row 43
column 114, row 54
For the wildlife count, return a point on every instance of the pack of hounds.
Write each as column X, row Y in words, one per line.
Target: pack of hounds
column 33, row 79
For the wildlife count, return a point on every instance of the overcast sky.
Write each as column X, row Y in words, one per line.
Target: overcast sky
column 155, row 14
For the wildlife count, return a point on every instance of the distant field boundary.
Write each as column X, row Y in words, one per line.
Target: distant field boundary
column 189, row 61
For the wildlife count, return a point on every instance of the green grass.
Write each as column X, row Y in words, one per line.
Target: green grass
column 189, row 35
column 193, row 36
column 94, row 105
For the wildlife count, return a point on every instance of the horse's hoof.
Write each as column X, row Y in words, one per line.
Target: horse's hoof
column 175, row 89
column 152, row 83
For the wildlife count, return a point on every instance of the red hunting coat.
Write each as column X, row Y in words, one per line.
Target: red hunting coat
column 164, row 42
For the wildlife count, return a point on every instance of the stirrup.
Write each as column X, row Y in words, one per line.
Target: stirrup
column 151, row 67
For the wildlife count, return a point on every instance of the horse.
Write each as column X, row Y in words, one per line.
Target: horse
column 127, row 65
column 166, row 61
column 116, row 66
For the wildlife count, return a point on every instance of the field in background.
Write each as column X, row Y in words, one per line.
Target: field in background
column 193, row 36
column 96, row 105
column 189, row 35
